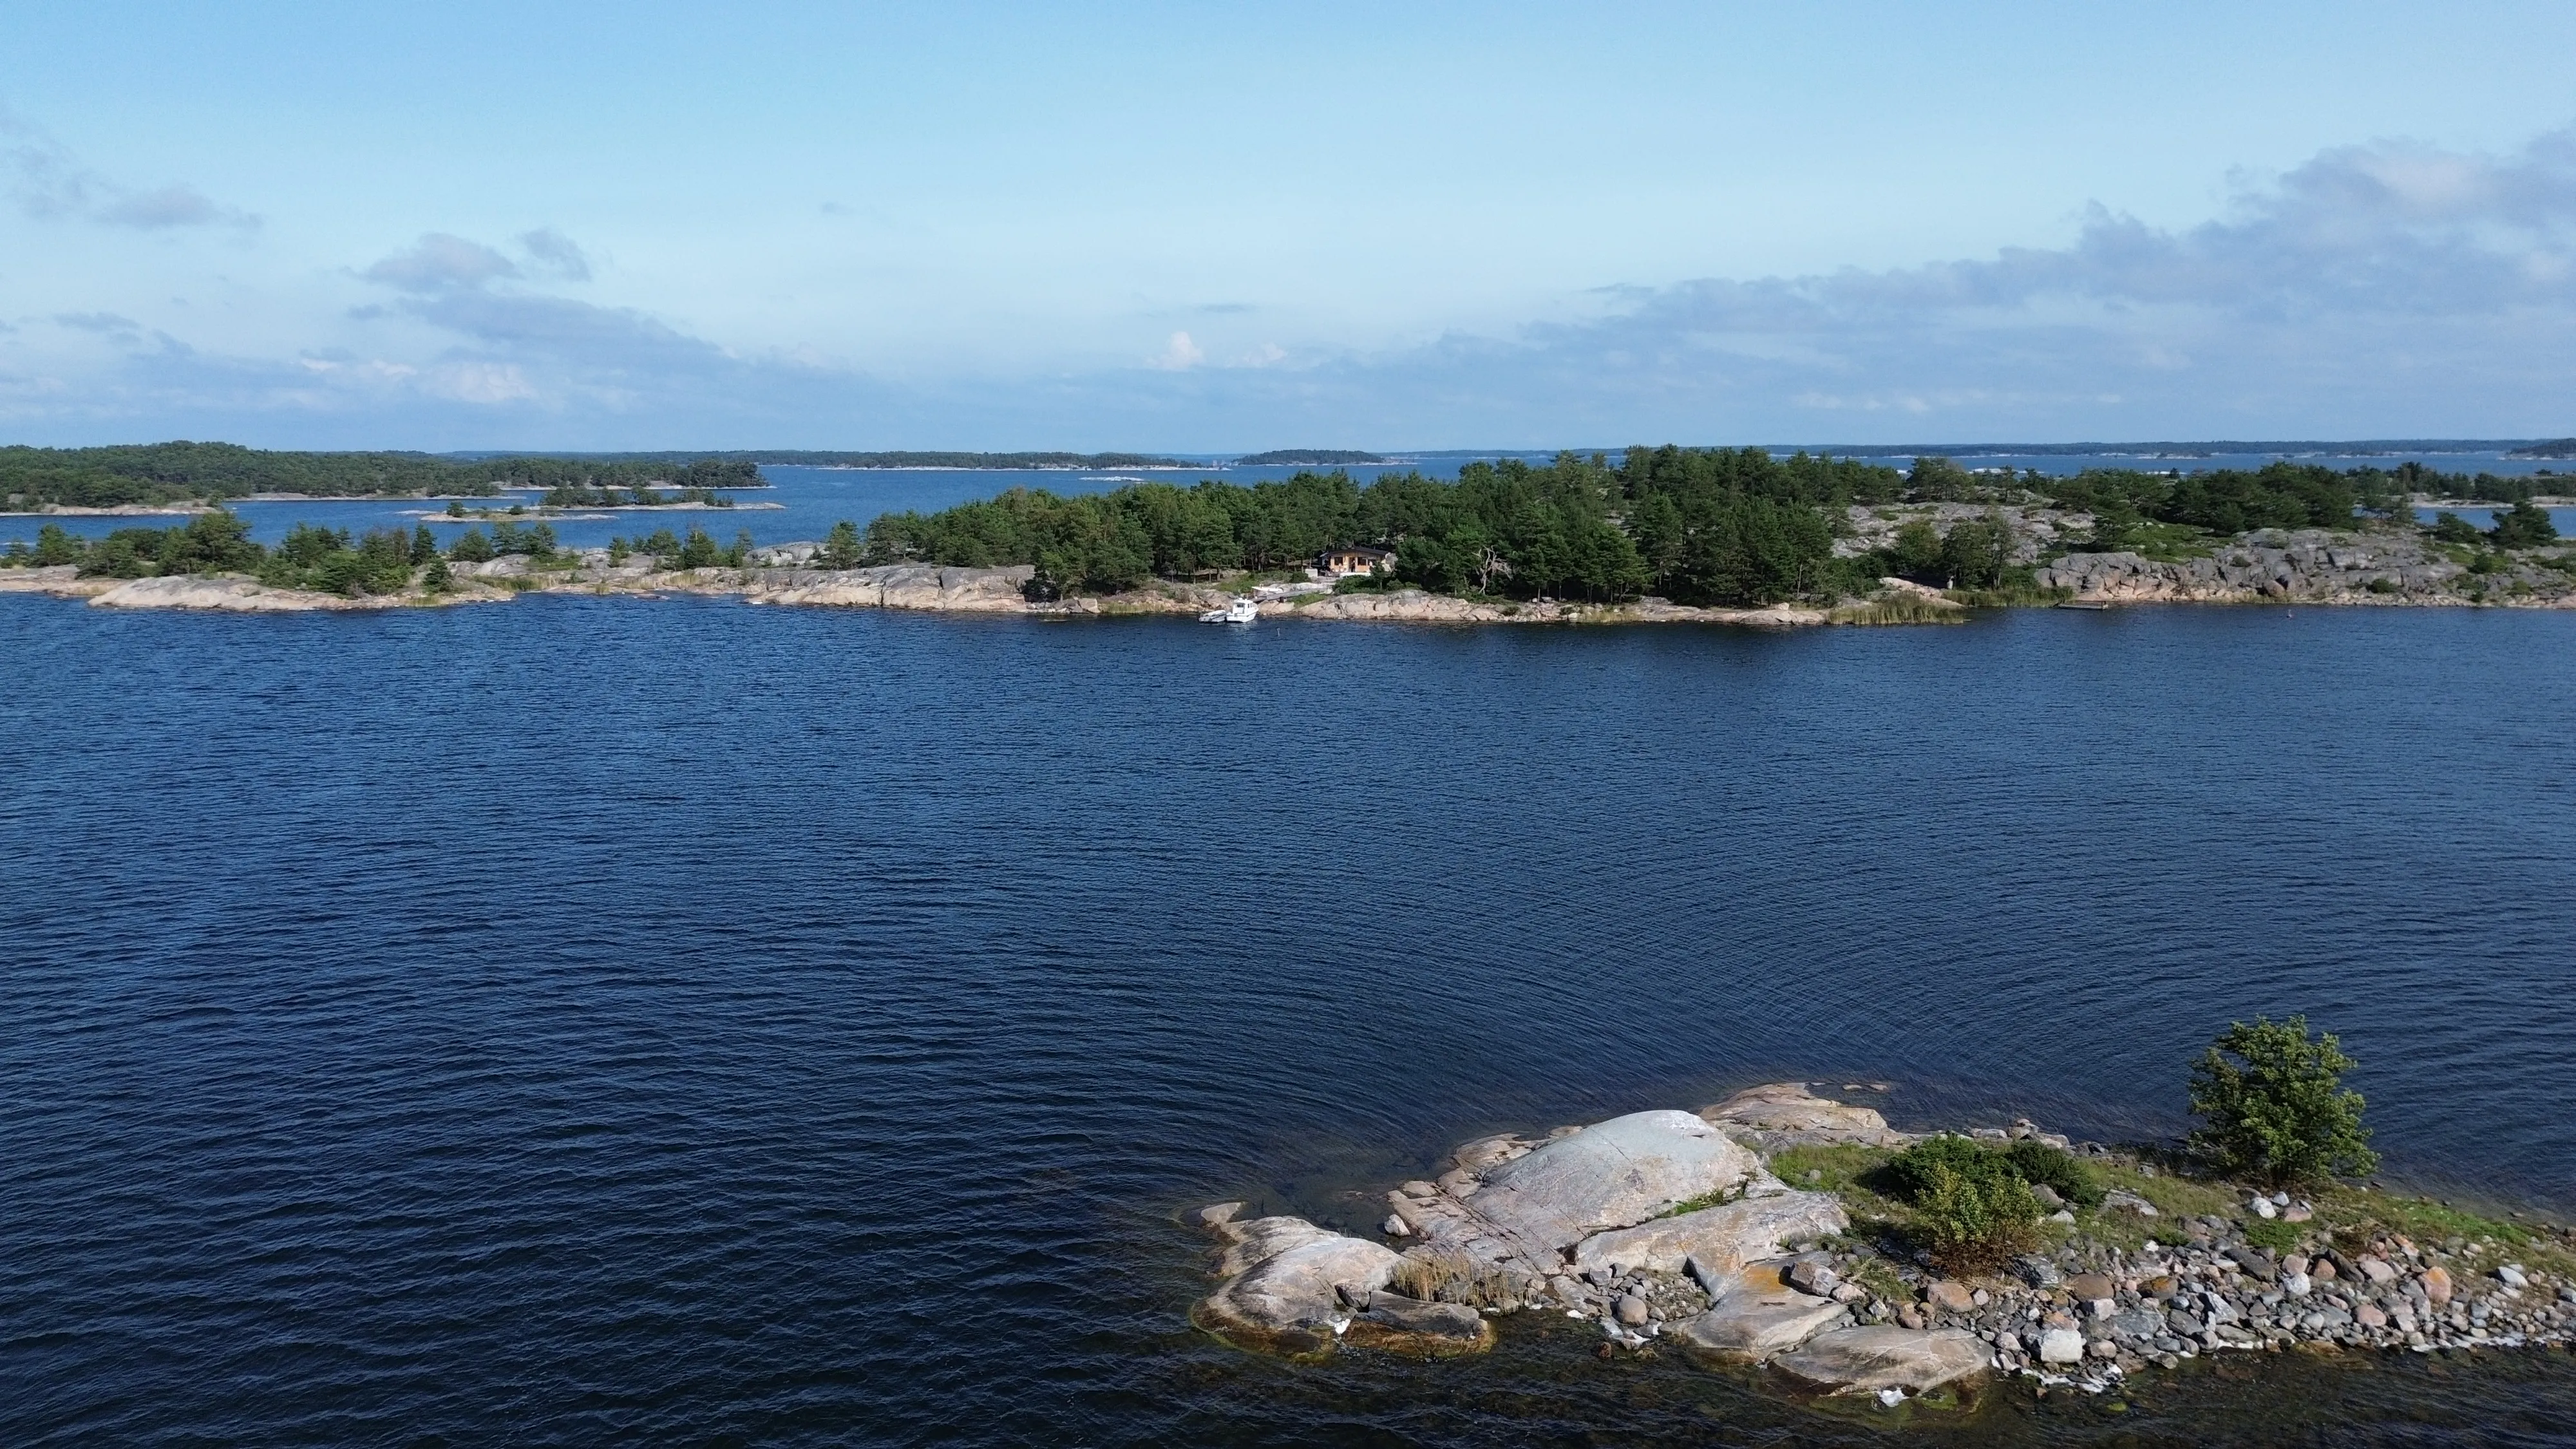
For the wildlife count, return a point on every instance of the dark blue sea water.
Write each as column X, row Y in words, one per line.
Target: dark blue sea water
column 594, row 1019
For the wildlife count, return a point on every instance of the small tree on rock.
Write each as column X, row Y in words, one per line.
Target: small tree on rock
column 2275, row 1107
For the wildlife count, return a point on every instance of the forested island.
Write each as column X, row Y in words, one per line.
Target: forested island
column 1715, row 527
column 152, row 474
column 1308, row 458
column 1672, row 534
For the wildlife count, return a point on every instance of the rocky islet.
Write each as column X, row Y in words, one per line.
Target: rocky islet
column 1669, row 1227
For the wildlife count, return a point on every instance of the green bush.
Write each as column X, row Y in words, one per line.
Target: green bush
column 2039, row 1164
column 2029, row 1162
column 1913, row 1172
column 2274, row 1105
column 1971, row 1224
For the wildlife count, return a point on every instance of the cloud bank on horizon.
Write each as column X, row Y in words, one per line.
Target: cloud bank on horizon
column 2376, row 288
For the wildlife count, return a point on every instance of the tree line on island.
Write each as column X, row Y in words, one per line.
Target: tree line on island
column 161, row 473
column 1714, row 526
column 380, row 562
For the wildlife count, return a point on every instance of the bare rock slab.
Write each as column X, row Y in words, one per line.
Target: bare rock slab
column 1614, row 1174
column 1722, row 1239
column 1872, row 1360
column 1287, row 1281
column 1758, row 1315
column 1786, row 1114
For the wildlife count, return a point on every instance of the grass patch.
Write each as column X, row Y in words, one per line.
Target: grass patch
column 2170, row 542
column 2010, row 595
column 1847, row 1169
column 2274, row 1236
column 1897, row 609
column 2174, row 1197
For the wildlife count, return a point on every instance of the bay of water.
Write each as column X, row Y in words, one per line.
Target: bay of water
column 598, row 1019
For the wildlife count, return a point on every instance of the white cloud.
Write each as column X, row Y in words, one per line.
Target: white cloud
column 48, row 182
column 1179, row 355
column 439, row 262
column 556, row 253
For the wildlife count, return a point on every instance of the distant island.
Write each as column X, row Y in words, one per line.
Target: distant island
column 152, row 475
column 1308, row 458
column 997, row 462
column 2554, row 448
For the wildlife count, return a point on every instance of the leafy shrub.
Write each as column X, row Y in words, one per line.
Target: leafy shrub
column 1915, row 1169
column 2039, row 1164
column 2274, row 1105
column 1971, row 1224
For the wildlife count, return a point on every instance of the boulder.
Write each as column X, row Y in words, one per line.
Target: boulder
column 1950, row 1296
column 1809, row 1275
column 1786, row 1114
column 2437, row 1286
column 1875, row 1360
column 1286, row 1276
column 2124, row 1201
column 1410, row 1325
column 1213, row 1216
column 2061, row 1346
column 1613, row 1174
column 1756, row 1315
column 1722, row 1239
column 2086, row 1287
column 1487, row 1152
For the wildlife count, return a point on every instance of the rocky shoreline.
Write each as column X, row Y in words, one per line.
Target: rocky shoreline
column 2311, row 566
column 782, row 577
column 1673, row 1229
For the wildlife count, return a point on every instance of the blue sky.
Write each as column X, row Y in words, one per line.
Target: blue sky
column 1213, row 228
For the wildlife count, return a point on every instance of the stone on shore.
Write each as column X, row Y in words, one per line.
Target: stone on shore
column 1875, row 1360
column 1785, row 1114
column 1757, row 1315
column 1410, row 1325
column 1613, row 1174
column 1721, row 1239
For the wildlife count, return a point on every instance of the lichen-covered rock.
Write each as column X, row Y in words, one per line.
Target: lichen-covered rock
column 1721, row 1239
column 1785, row 1114
column 1613, row 1174
column 1872, row 1360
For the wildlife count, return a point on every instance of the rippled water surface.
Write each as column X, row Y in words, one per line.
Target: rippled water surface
column 578, row 1020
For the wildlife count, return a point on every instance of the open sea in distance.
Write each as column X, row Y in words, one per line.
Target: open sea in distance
column 585, row 1020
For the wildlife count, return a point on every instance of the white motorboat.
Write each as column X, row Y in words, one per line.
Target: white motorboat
column 1238, row 610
